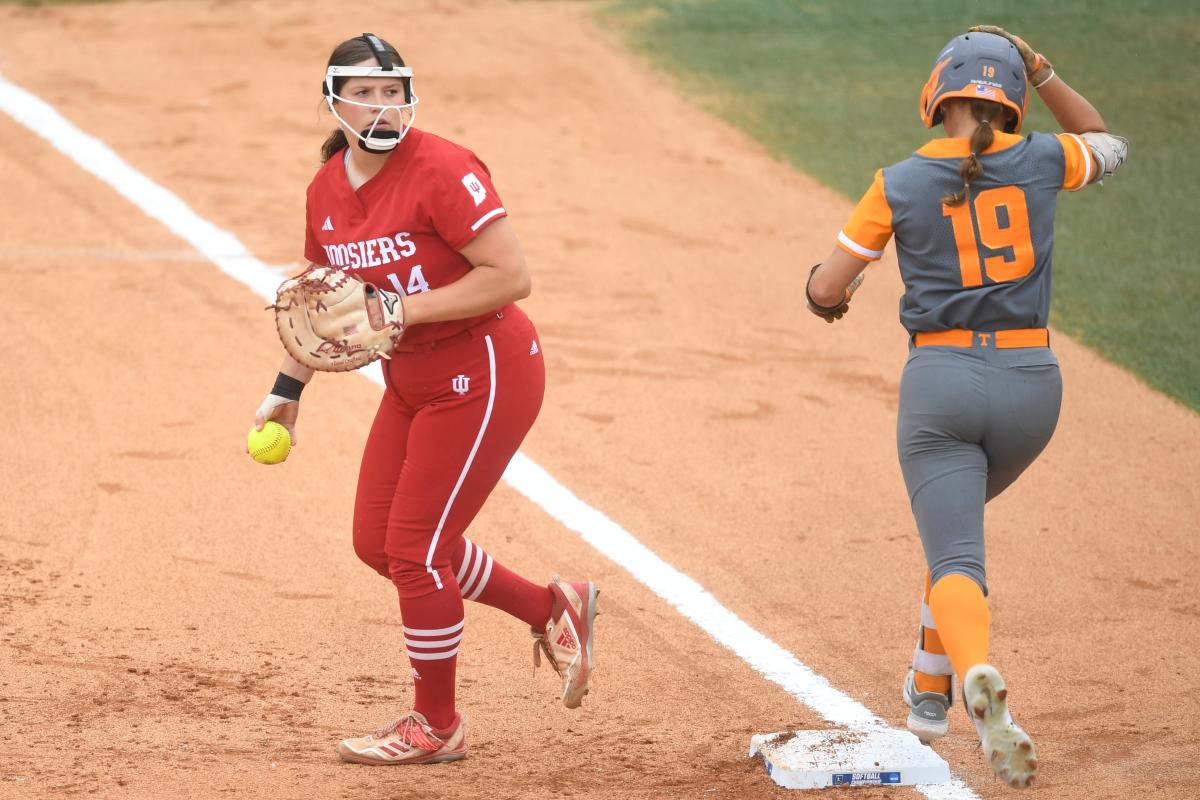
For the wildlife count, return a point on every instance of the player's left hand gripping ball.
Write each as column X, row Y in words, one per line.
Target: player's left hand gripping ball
column 834, row 312
column 271, row 445
column 334, row 322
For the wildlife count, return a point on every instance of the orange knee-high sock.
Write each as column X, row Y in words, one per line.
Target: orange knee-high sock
column 963, row 621
column 931, row 667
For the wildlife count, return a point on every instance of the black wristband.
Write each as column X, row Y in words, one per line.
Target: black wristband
column 287, row 386
column 813, row 305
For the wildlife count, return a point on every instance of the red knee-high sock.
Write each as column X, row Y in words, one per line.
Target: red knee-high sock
column 485, row 580
column 433, row 628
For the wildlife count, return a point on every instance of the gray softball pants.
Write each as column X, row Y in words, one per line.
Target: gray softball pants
column 971, row 420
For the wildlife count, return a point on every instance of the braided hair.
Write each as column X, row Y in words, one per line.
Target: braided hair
column 970, row 168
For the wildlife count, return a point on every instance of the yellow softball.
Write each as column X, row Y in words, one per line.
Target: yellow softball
column 271, row 445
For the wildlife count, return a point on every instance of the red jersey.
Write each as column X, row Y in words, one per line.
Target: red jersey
column 403, row 228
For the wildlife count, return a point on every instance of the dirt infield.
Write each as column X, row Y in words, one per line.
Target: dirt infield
column 176, row 620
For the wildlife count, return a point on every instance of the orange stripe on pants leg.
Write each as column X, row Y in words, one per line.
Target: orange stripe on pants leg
column 963, row 621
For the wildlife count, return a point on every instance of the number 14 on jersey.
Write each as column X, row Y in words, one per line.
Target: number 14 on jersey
column 416, row 281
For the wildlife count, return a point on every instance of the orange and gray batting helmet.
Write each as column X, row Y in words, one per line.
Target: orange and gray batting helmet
column 980, row 66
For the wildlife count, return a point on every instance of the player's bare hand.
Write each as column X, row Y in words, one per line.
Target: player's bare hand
column 836, row 311
column 280, row 409
column 1037, row 67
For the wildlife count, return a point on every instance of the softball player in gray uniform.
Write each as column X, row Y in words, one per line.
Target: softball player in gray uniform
column 973, row 219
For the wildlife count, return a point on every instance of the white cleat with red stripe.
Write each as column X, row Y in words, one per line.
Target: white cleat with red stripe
column 567, row 638
column 408, row 740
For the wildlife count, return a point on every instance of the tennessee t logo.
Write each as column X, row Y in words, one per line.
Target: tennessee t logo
column 983, row 339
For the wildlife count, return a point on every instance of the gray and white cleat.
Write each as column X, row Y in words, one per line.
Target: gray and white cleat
column 927, row 711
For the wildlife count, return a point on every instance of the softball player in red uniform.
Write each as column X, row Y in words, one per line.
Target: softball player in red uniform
column 408, row 211
column 973, row 218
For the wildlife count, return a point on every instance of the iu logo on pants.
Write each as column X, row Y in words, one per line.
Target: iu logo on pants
column 460, row 384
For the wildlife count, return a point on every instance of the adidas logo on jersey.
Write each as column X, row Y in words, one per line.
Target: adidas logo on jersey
column 328, row 226
column 533, row 348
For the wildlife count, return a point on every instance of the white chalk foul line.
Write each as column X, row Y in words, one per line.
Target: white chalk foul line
column 610, row 539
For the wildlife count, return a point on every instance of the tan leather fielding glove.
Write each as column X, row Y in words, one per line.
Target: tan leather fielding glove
column 334, row 322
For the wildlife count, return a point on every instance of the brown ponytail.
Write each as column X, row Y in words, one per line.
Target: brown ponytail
column 335, row 142
column 982, row 137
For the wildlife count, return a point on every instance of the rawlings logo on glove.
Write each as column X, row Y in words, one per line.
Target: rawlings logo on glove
column 333, row 322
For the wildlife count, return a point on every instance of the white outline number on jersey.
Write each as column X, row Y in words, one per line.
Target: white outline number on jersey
column 416, row 281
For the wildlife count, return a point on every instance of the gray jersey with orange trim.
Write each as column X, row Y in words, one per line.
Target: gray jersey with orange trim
column 984, row 265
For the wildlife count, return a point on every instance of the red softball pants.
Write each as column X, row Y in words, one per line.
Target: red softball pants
column 452, row 416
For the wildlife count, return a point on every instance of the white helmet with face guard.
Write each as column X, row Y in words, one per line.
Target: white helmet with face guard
column 370, row 139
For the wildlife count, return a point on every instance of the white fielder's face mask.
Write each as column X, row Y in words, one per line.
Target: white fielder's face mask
column 369, row 138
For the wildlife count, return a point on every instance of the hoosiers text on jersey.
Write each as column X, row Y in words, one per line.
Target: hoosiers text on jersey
column 370, row 252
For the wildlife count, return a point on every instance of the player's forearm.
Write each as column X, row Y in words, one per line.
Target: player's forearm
column 828, row 284
column 485, row 288
column 293, row 368
column 1071, row 110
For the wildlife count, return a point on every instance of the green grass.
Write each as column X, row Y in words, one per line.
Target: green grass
column 832, row 87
